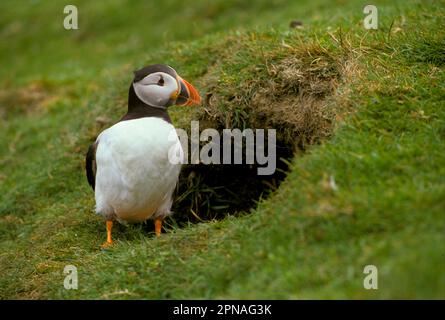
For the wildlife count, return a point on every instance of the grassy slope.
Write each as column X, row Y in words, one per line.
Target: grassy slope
column 307, row 241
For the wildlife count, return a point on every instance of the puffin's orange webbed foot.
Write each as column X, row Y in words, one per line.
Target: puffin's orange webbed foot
column 158, row 227
column 109, row 242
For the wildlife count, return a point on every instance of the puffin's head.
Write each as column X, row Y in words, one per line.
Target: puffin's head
column 159, row 86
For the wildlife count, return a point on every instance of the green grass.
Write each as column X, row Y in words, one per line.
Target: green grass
column 308, row 240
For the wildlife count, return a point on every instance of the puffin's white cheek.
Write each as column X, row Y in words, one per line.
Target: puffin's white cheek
column 152, row 94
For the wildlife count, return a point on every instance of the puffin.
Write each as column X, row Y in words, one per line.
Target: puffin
column 133, row 166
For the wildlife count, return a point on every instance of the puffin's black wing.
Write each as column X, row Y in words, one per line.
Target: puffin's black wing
column 90, row 166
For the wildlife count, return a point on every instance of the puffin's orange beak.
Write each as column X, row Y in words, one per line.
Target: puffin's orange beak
column 188, row 95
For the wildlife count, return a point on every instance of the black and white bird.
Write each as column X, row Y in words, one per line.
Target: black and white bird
column 133, row 166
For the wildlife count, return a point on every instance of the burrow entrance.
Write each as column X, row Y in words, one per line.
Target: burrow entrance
column 293, row 88
column 295, row 96
column 207, row 192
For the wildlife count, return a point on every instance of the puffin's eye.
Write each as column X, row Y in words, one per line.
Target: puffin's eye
column 161, row 82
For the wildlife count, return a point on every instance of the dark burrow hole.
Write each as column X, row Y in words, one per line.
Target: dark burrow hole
column 213, row 191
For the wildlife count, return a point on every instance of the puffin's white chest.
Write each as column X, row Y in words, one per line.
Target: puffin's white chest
column 135, row 174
